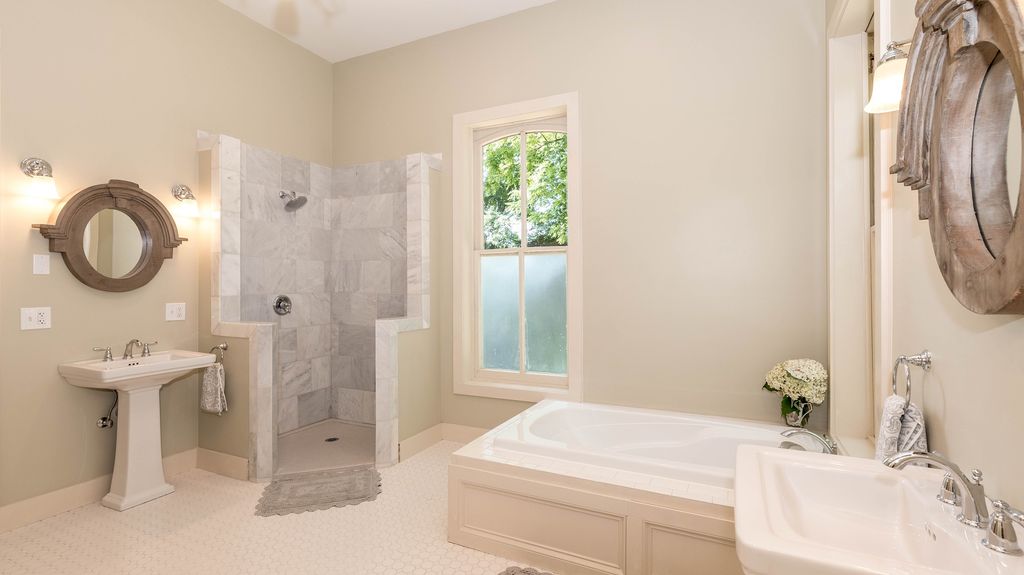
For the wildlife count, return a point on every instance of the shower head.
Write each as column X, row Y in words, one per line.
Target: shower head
column 293, row 201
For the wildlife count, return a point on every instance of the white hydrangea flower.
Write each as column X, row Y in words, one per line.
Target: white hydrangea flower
column 799, row 379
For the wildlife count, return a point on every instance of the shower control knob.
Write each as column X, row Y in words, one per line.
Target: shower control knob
column 283, row 305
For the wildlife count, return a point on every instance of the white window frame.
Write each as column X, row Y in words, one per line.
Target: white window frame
column 467, row 237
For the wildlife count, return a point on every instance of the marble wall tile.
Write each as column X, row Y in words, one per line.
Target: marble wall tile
column 342, row 370
column 296, row 378
column 354, row 308
column 321, row 368
column 229, row 154
column 295, row 175
column 287, row 414
column 230, row 191
column 364, row 373
column 319, row 308
column 391, row 305
column 313, row 341
column 343, row 182
column 261, row 166
column 367, row 179
column 320, row 181
column 364, row 212
column 344, row 276
column 230, row 275
column 354, row 405
column 230, row 233
column 314, row 406
column 287, row 345
column 375, row 277
column 309, row 277
column 300, row 314
column 354, row 340
column 391, row 243
column 393, row 177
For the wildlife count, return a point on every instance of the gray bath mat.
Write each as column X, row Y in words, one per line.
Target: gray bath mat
column 522, row 571
column 319, row 490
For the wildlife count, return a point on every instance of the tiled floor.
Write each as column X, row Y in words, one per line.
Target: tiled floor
column 208, row 526
column 305, row 449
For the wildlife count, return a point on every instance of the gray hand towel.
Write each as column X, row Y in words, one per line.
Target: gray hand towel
column 901, row 429
column 212, row 398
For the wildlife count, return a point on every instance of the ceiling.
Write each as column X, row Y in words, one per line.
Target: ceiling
column 341, row 29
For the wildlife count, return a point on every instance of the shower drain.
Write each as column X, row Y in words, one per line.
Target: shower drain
column 331, row 439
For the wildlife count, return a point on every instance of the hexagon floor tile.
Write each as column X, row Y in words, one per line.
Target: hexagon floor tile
column 207, row 526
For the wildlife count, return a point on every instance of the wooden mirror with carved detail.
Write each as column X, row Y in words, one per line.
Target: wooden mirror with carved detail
column 114, row 236
column 959, row 146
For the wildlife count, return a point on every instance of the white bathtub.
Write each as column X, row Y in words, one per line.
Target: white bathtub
column 601, row 490
column 696, row 448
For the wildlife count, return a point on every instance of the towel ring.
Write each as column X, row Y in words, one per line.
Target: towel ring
column 220, row 349
column 922, row 360
column 906, row 373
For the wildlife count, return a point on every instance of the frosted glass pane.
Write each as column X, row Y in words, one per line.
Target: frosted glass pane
column 545, row 314
column 547, row 216
column 499, row 294
column 503, row 216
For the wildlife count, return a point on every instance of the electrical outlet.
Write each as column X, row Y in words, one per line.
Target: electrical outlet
column 35, row 318
column 41, row 264
column 175, row 312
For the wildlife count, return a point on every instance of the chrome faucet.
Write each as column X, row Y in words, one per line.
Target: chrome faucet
column 826, row 442
column 130, row 348
column 974, row 512
column 1001, row 535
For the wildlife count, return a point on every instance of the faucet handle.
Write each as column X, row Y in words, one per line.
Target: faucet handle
column 977, row 476
column 107, row 356
column 146, row 352
column 1002, row 537
column 949, row 493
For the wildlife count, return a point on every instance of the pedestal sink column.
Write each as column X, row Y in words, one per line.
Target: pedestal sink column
column 138, row 464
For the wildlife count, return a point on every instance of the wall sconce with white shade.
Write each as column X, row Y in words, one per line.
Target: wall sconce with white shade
column 189, row 206
column 43, row 185
column 887, row 86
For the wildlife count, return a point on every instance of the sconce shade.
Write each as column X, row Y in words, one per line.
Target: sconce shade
column 887, row 88
column 44, row 187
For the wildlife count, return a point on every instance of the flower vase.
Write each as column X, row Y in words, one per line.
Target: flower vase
column 796, row 412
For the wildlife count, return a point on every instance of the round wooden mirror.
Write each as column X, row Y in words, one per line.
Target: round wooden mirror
column 114, row 236
column 959, row 145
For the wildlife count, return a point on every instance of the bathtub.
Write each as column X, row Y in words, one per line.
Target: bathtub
column 581, row 488
column 695, row 448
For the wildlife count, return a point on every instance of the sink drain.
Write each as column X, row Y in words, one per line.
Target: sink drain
column 331, row 439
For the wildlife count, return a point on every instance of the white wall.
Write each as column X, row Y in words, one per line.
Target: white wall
column 703, row 127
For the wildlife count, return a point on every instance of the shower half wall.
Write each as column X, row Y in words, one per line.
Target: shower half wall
column 352, row 261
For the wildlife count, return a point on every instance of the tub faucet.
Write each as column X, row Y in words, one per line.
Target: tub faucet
column 826, row 442
column 974, row 511
column 129, row 349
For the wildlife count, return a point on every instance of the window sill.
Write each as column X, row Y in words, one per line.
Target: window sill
column 515, row 391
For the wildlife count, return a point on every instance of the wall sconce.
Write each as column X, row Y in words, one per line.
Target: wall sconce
column 189, row 206
column 887, row 87
column 43, row 185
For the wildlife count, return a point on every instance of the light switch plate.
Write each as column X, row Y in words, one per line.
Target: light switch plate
column 35, row 318
column 41, row 264
column 175, row 312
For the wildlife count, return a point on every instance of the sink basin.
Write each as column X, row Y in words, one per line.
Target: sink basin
column 127, row 374
column 802, row 513
column 138, row 466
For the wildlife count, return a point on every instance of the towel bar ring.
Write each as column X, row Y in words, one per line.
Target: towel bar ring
column 922, row 360
column 220, row 349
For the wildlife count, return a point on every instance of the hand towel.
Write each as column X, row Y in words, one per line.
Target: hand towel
column 901, row 429
column 212, row 398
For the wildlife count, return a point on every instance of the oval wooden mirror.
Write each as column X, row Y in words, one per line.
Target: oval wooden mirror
column 113, row 236
column 959, row 145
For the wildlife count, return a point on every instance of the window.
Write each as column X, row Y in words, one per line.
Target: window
column 517, row 250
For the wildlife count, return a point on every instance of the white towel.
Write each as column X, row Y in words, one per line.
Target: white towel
column 212, row 398
column 902, row 428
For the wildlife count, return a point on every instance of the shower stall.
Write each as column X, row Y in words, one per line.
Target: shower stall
column 331, row 259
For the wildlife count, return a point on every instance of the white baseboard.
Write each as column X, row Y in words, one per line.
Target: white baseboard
column 462, row 433
column 223, row 464
column 440, row 432
column 21, row 513
column 420, row 441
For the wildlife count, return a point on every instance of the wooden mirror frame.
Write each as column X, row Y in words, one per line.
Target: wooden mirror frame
column 951, row 146
column 156, row 226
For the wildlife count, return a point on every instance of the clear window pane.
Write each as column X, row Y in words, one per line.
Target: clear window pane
column 547, row 161
column 545, row 313
column 502, row 211
column 499, row 310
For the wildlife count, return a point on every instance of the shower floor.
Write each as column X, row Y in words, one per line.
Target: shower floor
column 305, row 449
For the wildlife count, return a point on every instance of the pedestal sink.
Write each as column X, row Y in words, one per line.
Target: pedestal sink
column 138, row 466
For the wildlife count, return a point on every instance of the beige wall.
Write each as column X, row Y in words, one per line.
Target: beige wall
column 974, row 396
column 117, row 89
column 703, row 182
